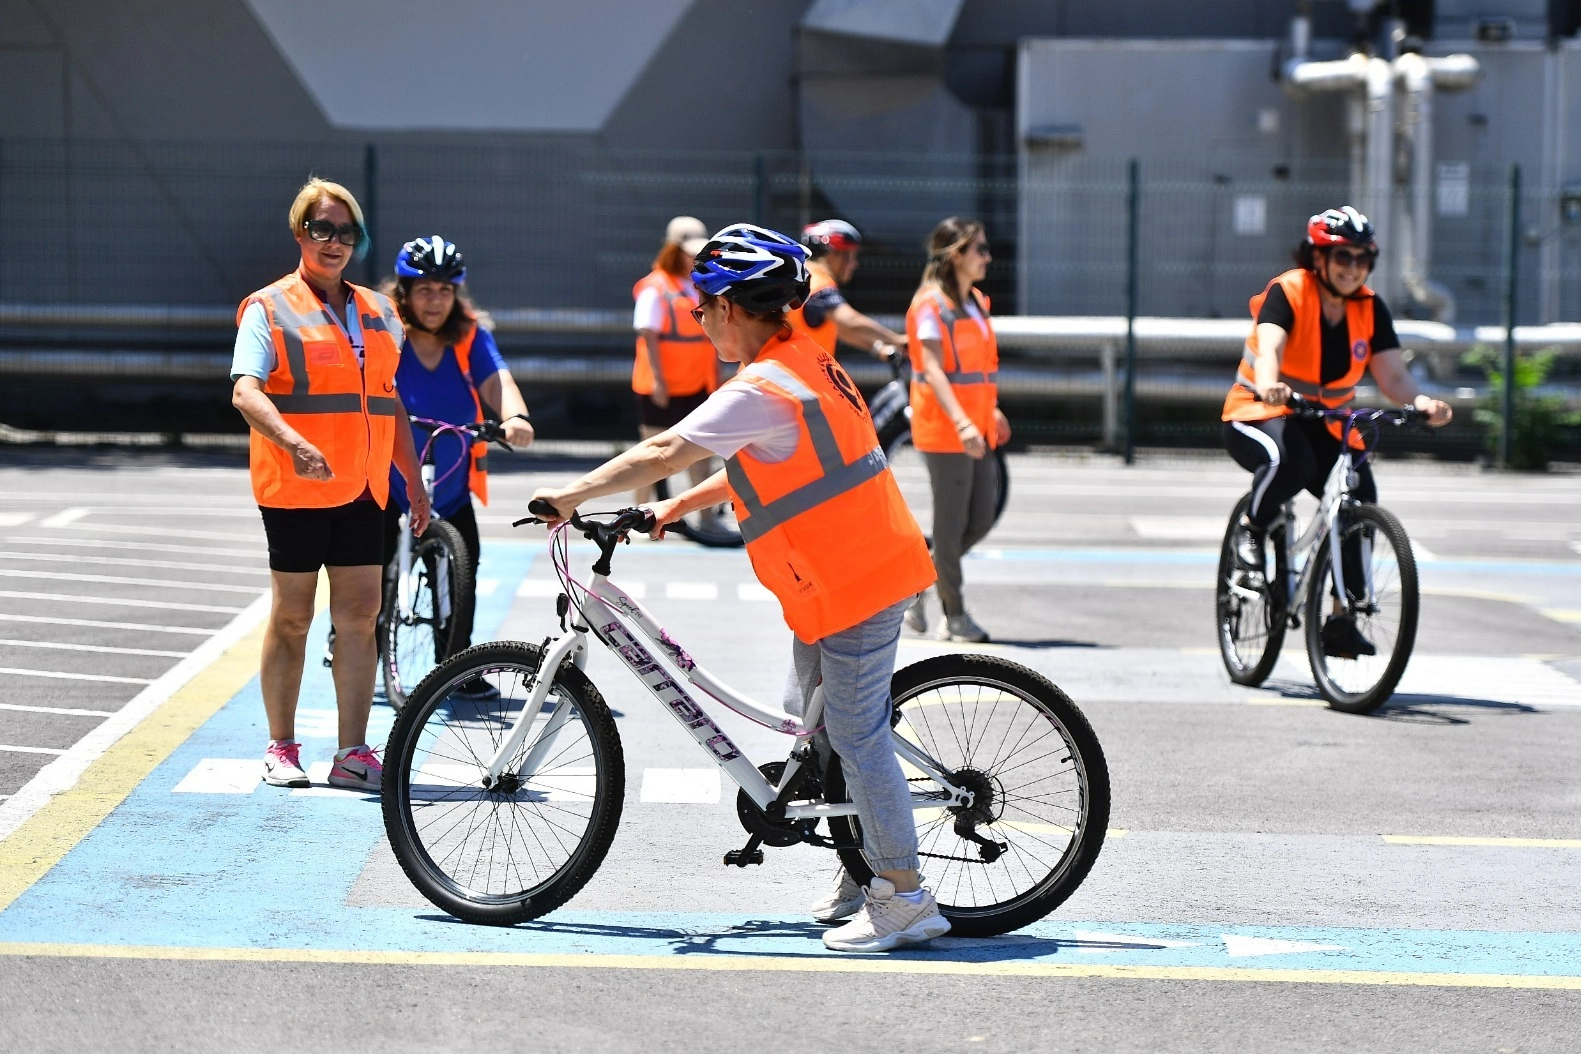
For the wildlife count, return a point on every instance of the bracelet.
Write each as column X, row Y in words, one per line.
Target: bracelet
column 514, row 417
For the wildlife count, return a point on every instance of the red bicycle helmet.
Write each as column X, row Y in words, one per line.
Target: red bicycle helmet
column 1342, row 226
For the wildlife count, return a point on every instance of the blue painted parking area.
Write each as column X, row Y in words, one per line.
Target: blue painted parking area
column 200, row 858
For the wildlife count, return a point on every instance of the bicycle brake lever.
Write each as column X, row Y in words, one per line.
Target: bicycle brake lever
column 526, row 520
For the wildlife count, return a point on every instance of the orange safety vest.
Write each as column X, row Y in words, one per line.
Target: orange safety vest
column 826, row 529
column 971, row 362
column 686, row 358
column 827, row 334
column 1301, row 365
column 349, row 414
column 478, row 469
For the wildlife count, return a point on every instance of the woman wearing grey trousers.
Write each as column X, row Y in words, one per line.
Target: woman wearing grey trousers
column 955, row 416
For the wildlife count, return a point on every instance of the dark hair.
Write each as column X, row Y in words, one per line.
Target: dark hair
column 463, row 317
column 672, row 260
column 949, row 237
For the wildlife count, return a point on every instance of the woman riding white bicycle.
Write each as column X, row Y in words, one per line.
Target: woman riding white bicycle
column 451, row 371
column 1316, row 329
column 827, row 532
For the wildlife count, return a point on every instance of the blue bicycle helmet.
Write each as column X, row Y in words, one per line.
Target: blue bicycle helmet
column 430, row 258
column 759, row 269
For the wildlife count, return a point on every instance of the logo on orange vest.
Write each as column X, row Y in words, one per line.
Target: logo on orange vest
column 1359, row 350
column 842, row 383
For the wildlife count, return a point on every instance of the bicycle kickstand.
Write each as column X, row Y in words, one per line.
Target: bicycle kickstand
column 747, row 854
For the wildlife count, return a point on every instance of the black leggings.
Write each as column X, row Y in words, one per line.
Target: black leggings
column 1285, row 456
column 464, row 521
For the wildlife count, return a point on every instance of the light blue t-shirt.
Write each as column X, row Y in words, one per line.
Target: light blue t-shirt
column 253, row 355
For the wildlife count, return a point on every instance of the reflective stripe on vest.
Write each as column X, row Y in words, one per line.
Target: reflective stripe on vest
column 1300, row 387
column 838, row 475
column 478, row 468
column 958, row 376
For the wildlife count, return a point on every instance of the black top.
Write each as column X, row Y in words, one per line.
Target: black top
column 821, row 304
column 1276, row 310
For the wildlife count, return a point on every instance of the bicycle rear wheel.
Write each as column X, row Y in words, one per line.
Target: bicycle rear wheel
column 520, row 848
column 1249, row 605
column 1383, row 606
column 1040, row 784
column 911, row 473
column 439, row 592
column 714, row 526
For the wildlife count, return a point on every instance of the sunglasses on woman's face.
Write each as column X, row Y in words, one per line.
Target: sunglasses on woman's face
column 981, row 249
column 1349, row 259
column 323, row 231
column 697, row 312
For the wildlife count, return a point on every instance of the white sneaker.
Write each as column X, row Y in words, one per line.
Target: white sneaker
column 283, row 764
column 887, row 921
column 962, row 628
column 841, row 902
column 916, row 616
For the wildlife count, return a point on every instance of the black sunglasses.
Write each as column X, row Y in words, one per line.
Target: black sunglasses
column 697, row 312
column 323, row 231
column 1345, row 258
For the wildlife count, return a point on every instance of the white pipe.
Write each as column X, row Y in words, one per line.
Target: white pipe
column 1379, row 177
column 1415, row 226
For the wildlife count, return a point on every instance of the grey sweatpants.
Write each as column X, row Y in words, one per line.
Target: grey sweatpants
column 964, row 490
column 855, row 666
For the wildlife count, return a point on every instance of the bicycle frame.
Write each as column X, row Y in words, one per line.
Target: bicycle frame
column 618, row 622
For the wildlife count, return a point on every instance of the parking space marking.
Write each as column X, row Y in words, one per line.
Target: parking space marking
column 485, row 587
column 58, row 646
column 17, row 671
column 14, row 519
column 121, row 561
column 754, row 592
column 166, row 605
column 119, row 580
column 64, row 711
column 1501, row 843
column 680, row 786
column 142, row 627
column 158, row 532
column 222, row 776
column 141, row 547
column 691, row 591
column 30, row 750
column 64, row 517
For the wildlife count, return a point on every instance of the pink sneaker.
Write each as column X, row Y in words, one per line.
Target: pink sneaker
column 357, row 768
column 283, row 764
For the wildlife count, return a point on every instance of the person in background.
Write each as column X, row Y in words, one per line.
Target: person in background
column 451, row 370
column 955, row 416
column 826, row 317
column 675, row 368
column 313, row 374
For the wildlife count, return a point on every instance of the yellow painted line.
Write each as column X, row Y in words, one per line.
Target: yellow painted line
column 1570, row 615
column 1504, row 843
column 789, row 964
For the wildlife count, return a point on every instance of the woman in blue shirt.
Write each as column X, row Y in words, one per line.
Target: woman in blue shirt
column 442, row 332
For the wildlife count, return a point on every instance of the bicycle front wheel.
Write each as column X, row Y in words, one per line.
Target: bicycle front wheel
column 1380, row 603
column 525, row 843
column 1249, row 605
column 1040, row 789
column 439, row 598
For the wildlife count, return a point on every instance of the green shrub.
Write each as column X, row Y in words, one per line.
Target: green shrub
column 1538, row 417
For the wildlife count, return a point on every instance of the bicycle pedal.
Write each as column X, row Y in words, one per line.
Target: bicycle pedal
column 741, row 858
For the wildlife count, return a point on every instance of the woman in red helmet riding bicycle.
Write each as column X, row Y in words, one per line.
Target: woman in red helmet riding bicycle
column 1317, row 328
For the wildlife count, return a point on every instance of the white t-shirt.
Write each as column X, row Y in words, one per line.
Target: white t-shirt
column 651, row 312
column 741, row 416
column 931, row 327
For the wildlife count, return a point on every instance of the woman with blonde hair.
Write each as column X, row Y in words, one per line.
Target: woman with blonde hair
column 314, row 376
column 955, row 416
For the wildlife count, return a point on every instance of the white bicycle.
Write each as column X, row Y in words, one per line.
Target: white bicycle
column 501, row 810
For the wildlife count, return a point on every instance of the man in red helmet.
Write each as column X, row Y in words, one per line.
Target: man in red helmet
column 826, row 316
column 1317, row 329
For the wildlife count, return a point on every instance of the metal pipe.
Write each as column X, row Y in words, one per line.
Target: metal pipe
column 1379, row 186
column 1415, row 223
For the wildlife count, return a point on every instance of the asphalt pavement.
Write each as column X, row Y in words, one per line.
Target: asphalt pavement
column 1277, row 877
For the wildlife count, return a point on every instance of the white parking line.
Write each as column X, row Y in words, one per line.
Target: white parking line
column 121, row 561
column 159, row 532
column 31, row 750
column 754, row 591
column 60, row 646
column 14, row 519
column 691, row 591
column 166, row 605
column 64, row 711
column 118, row 580
column 142, row 547
column 17, row 671
column 222, row 776
column 64, row 517
column 680, row 786
column 141, row 627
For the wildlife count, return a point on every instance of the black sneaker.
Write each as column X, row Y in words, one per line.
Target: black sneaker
column 1342, row 640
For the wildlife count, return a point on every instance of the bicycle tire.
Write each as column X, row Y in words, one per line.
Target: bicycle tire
column 450, row 739
column 976, row 688
column 408, row 650
column 1249, row 618
column 722, row 535
column 1362, row 684
column 912, row 477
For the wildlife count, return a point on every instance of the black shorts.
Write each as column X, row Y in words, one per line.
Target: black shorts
column 656, row 416
column 303, row 540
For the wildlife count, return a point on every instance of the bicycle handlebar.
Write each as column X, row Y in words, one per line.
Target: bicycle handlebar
column 597, row 530
column 1405, row 415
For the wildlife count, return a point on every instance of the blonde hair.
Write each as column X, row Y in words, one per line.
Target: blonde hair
column 948, row 238
column 316, row 190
